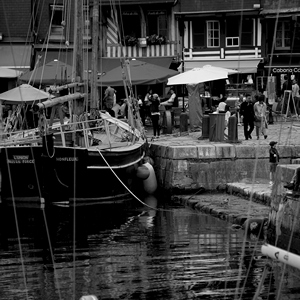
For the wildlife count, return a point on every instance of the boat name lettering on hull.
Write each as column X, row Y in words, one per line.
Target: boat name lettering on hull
column 66, row 158
column 20, row 161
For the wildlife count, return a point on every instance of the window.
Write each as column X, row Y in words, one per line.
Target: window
column 233, row 38
column 247, row 32
column 232, row 41
column 157, row 23
column 131, row 24
column 56, row 15
column 213, row 34
column 232, row 32
column 198, row 34
column 283, row 37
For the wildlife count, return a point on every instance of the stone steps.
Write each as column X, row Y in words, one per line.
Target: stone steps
column 258, row 191
column 231, row 208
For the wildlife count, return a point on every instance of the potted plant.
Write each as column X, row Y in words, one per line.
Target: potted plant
column 156, row 39
column 130, row 41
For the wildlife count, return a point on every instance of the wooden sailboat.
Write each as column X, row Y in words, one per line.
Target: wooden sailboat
column 91, row 157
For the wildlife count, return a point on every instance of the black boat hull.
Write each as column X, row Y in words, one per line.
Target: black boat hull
column 68, row 175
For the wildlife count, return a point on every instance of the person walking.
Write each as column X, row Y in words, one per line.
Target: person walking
column 154, row 110
column 274, row 160
column 247, row 116
column 260, row 121
column 147, row 103
column 296, row 96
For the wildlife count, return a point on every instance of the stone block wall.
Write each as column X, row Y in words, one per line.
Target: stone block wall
column 211, row 165
column 284, row 215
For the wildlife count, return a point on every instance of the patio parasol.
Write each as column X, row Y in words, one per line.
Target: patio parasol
column 9, row 73
column 52, row 73
column 213, row 68
column 197, row 75
column 23, row 93
column 141, row 73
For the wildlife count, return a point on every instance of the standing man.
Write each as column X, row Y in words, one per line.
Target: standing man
column 296, row 96
column 247, row 115
column 286, row 86
column 274, row 160
column 260, row 110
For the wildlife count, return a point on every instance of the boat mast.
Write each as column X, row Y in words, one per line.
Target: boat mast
column 95, row 54
column 78, row 52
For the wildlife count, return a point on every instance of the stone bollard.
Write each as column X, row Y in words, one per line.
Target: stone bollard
column 232, row 129
column 183, row 122
column 205, row 126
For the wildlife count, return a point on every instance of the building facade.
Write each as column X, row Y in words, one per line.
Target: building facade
column 220, row 33
column 281, row 36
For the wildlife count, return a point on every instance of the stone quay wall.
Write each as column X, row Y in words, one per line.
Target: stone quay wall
column 213, row 165
column 284, row 216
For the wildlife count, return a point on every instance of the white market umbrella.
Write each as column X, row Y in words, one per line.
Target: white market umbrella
column 213, row 68
column 197, row 75
column 9, row 73
column 24, row 93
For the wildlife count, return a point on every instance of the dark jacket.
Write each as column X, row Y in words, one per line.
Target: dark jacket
column 247, row 110
column 274, row 155
column 154, row 106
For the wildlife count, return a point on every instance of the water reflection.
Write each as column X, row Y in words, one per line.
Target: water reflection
column 129, row 253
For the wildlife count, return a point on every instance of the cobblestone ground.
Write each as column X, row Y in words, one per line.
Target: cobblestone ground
column 284, row 132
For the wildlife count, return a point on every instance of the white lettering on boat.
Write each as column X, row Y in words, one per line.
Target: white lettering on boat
column 66, row 158
column 20, row 161
column 21, row 156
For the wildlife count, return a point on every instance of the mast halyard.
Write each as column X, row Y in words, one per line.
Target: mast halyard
column 95, row 54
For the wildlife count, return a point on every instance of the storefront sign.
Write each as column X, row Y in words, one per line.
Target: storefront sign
column 285, row 70
column 129, row 13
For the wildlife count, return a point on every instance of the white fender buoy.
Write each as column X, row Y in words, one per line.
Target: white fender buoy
column 150, row 184
column 142, row 172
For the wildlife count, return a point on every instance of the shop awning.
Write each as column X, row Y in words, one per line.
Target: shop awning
column 242, row 66
column 136, row 2
column 105, row 64
column 15, row 56
column 282, row 12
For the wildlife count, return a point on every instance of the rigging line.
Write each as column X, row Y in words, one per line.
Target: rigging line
column 246, row 230
column 251, row 259
column 40, row 19
column 17, row 227
column 47, row 44
column 295, row 221
column 56, row 277
column 154, row 208
column 74, row 228
column 274, row 36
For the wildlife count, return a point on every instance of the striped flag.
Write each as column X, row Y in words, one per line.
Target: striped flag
column 112, row 29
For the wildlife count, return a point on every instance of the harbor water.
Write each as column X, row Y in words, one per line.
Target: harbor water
column 132, row 252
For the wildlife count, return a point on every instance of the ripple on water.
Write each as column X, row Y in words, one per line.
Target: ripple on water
column 171, row 254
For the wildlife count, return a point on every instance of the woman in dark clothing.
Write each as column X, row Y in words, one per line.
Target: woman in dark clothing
column 247, row 112
column 154, row 110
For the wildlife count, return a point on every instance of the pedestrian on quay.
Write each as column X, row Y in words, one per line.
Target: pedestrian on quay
column 296, row 96
column 260, row 121
column 142, row 109
column 274, row 160
column 247, row 116
column 147, row 103
column 154, row 109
